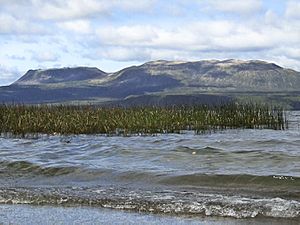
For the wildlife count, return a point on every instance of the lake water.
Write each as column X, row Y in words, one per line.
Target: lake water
column 232, row 173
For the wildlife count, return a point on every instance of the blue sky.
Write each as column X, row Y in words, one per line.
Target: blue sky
column 112, row 34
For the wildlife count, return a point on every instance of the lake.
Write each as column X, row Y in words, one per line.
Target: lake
column 242, row 174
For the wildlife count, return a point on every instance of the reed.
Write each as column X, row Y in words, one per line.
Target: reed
column 44, row 119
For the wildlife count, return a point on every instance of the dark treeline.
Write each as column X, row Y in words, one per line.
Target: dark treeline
column 22, row 119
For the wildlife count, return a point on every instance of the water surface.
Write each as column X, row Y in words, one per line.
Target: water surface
column 236, row 173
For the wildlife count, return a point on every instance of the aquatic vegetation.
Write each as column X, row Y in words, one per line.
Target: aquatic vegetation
column 46, row 119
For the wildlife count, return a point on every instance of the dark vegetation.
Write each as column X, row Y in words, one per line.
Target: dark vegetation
column 21, row 120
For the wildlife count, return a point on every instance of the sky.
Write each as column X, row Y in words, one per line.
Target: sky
column 113, row 34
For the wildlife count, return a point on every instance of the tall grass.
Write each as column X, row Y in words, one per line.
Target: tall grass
column 22, row 119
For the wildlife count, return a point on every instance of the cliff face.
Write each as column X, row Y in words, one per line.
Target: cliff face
column 155, row 80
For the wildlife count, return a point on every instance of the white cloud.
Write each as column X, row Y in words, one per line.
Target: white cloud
column 8, row 74
column 223, row 38
column 134, row 5
column 64, row 10
column 292, row 53
column 293, row 9
column 235, row 6
column 15, row 57
column 44, row 56
column 11, row 25
column 284, row 61
column 125, row 54
column 217, row 35
column 77, row 26
column 75, row 9
column 127, row 35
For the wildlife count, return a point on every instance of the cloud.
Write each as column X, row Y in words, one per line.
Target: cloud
column 134, row 5
column 11, row 25
column 272, row 18
column 293, row 9
column 210, row 38
column 65, row 10
column 203, row 36
column 8, row 74
column 293, row 53
column 125, row 54
column 15, row 57
column 44, row 56
column 59, row 10
column 234, row 6
column 284, row 61
column 77, row 26
column 127, row 35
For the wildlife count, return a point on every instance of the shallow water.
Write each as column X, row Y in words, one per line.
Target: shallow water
column 236, row 173
column 49, row 215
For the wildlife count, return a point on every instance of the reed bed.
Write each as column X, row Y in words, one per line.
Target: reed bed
column 23, row 119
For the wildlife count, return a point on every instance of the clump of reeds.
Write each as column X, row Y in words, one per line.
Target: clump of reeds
column 22, row 119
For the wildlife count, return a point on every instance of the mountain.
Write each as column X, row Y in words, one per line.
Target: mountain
column 230, row 74
column 51, row 76
column 160, row 82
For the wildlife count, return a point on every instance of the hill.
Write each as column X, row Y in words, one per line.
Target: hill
column 51, row 76
column 159, row 82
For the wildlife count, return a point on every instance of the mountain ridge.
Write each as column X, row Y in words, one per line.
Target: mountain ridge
column 56, row 75
column 231, row 78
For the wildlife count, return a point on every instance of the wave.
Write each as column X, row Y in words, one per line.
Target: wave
column 24, row 167
column 275, row 185
column 239, row 196
column 165, row 201
column 233, row 180
column 281, row 184
column 203, row 150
